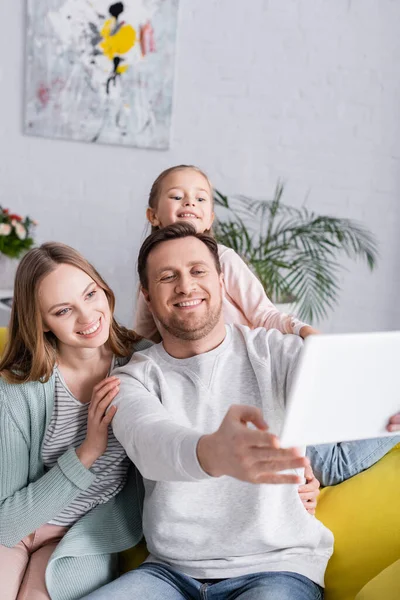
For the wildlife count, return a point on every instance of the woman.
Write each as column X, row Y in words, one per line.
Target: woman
column 69, row 502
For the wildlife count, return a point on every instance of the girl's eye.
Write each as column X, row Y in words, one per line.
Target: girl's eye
column 62, row 312
column 202, row 199
column 177, row 197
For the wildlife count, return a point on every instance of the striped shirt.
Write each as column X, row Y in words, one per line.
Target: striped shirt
column 67, row 428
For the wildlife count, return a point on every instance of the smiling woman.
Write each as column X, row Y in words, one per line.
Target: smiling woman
column 59, row 458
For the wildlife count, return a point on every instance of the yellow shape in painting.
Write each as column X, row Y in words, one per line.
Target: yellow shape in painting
column 118, row 43
column 122, row 68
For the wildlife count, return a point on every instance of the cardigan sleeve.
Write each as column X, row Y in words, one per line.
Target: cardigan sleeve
column 24, row 505
column 246, row 291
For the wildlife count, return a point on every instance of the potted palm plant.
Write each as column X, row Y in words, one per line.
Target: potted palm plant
column 293, row 251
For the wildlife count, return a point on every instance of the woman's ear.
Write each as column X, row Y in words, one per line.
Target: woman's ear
column 152, row 217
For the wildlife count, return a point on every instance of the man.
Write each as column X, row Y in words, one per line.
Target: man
column 198, row 415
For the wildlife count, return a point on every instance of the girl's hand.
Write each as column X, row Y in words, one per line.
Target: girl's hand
column 309, row 491
column 307, row 330
column 95, row 443
column 394, row 423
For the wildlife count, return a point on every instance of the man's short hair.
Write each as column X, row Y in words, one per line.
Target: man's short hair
column 175, row 231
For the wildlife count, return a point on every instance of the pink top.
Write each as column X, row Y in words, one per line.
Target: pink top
column 245, row 301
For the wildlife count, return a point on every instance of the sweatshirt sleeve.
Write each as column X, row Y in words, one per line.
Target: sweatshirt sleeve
column 246, row 291
column 24, row 508
column 160, row 448
column 144, row 323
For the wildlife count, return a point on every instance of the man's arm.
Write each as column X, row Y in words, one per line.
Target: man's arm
column 163, row 450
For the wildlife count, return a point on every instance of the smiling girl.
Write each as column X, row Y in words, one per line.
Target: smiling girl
column 69, row 501
column 184, row 194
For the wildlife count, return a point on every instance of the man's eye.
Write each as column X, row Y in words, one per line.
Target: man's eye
column 198, row 272
column 167, row 278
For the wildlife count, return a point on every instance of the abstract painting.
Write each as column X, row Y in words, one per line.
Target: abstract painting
column 101, row 72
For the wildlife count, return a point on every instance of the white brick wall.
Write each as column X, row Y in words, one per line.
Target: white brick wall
column 305, row 91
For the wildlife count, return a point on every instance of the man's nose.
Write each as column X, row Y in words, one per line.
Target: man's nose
column 185, row 285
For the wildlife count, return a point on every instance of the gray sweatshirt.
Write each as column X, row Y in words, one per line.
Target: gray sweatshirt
column 208, row 527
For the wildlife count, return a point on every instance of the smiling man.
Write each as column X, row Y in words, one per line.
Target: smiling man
column 218, row 521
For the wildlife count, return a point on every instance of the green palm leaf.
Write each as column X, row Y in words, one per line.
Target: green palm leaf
column 293, row 251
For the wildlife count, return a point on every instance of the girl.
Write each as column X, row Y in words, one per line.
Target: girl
column 184, row 193
column 68, row 499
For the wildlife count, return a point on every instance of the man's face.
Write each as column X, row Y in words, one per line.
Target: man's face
column 185, row 289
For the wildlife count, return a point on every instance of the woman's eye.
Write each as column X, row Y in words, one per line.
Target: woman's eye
column 62, row 312
column 91, row 294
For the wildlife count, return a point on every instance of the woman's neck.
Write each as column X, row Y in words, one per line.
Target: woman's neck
column 83, row 369
column 83, row 359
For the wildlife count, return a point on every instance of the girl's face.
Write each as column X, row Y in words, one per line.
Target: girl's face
column 185, row 196
column 74, row 308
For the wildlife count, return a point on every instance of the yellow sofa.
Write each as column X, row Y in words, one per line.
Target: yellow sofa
column 3, row 338
column 364, row 515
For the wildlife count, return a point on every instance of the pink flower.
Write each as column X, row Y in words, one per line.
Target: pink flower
column 20, row 231
column 5, row 229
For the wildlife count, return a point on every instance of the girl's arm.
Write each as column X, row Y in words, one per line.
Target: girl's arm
column 246, row 291
column 24, row 508
column 144, row 323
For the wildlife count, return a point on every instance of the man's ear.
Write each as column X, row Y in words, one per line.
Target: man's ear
column 145, row 295
column 152, row 217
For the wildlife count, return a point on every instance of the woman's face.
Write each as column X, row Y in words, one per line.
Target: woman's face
column 74, row 308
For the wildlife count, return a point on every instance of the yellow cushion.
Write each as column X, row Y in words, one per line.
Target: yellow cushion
column 132, row 558
column 385, row 585
column 3, row 338
column 363, row 514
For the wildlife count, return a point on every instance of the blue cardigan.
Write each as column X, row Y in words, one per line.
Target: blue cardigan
column 86, row 558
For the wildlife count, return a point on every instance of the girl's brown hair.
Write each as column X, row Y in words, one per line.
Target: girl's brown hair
column 31, row 353
column 156, row 187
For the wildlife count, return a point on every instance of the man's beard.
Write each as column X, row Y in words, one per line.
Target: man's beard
column 193, row 330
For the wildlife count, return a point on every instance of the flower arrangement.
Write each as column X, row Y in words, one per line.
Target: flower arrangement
column 15, row 233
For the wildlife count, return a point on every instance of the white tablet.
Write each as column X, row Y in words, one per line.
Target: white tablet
column 346, row 387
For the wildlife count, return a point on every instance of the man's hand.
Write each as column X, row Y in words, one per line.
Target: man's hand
column 309, row 491
column 248, row 454
column 394, row 423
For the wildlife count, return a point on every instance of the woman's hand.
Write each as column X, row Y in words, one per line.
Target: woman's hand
column 95, row 443
column 394, row 423
column 309, row 491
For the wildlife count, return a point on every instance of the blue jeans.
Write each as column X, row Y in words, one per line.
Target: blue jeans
column 333, row 463
column 158, row 582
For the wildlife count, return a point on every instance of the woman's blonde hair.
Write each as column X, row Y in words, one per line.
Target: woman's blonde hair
column 31, row 353
column 155, row 191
